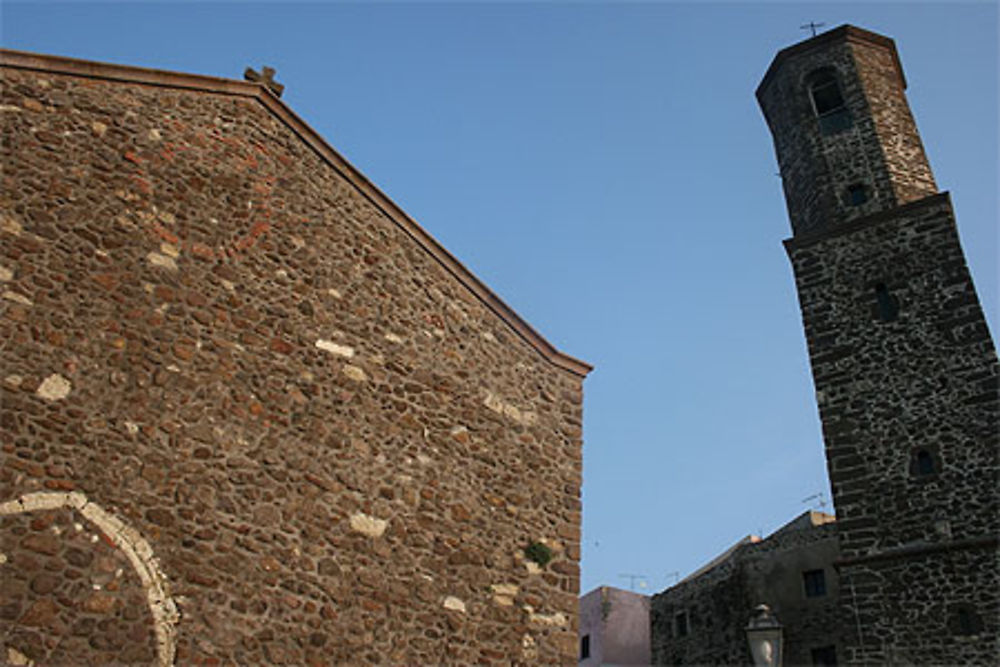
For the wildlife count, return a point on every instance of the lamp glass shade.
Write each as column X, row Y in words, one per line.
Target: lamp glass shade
column 765, row 646
column 764, row 636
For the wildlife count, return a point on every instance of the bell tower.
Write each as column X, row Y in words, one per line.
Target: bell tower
column 904, row 367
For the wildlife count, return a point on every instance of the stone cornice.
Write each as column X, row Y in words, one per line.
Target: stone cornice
column 806, row 240
column 217, row 85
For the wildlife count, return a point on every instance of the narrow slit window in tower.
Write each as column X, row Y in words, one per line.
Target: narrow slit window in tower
column 925, row 463
column 681, row 624
column 888, row 305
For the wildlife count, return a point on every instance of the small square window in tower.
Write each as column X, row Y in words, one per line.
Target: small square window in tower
column 814, row 582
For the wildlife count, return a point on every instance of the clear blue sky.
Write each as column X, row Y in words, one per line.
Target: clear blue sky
column 605, row 169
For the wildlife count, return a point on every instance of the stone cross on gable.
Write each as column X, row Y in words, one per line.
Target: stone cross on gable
column 265, row 77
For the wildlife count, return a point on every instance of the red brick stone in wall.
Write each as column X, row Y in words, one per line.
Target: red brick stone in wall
column 335, row 449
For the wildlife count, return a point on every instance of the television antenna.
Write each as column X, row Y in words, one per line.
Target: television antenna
column 819, row 497
column 632, row 578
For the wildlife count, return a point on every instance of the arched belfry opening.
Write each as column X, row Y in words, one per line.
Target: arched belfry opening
column 827, row 99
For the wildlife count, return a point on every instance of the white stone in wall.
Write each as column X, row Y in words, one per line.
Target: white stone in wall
column 17, row 298
column 163, row 261
column 334, row 348
column 54, row 388
column 557, row 619
column 355, row 373
column 15, row 657
column 368, row 525
column 6, row 274
column 10, row 225
column 498, row 405
column 453, row 603
column 504, row 594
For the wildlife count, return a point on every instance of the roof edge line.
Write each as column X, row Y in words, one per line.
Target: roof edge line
column 100, row 70
column 326, row 152
column 413, row 229
column 848, row 33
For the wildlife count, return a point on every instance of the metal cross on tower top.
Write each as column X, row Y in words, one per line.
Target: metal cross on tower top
column 264, row 77
column 811, row 26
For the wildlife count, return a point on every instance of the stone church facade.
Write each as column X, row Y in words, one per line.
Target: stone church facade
column 904, row 366
column 251, row 411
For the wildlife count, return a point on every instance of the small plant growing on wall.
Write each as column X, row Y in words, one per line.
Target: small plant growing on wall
column 539, row 553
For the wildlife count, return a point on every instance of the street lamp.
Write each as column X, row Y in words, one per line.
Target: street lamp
column 764, row 637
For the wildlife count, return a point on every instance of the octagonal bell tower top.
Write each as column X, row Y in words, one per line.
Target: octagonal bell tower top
column 846, row 141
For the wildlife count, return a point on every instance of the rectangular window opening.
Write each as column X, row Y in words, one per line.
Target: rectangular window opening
column 835, row 121
column 856, row 194
column 681, row 624
column 824, row 655
column 815, row 583
column 826, row 97
column 888, row 305
column 584, row 647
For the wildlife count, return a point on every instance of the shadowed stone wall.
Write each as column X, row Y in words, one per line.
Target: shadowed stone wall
column 719, row 602
column 334, row 449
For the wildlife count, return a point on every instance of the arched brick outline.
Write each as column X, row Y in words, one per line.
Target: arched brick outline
column 135, row 547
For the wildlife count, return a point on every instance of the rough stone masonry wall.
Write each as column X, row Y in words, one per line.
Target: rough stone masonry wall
column 897, row 131
column 887, row 389
column 714, row 603
column 303, row 440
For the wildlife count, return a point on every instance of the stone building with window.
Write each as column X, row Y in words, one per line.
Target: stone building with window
column 702, row 619
column 251, row 411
